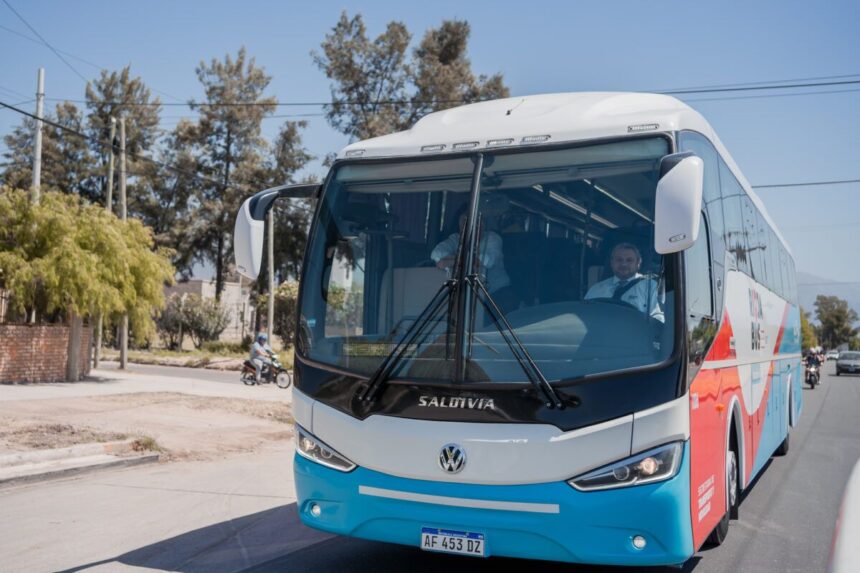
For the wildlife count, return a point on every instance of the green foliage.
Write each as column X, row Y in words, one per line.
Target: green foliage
column 170, row 323
column 66, row 163
column 227, row 348
column 377, row 89
column 807, row 332
column 286, row 297
column 119, row 94
column 62, row 255
column 204, row 318
column 836, row 321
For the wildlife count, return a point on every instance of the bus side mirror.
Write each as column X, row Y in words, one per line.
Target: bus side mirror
column 249, row 230
column 678, row 203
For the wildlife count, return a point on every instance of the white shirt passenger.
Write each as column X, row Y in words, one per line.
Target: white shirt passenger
column 492, row 259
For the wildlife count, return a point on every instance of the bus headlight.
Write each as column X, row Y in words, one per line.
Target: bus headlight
column 650, row 466
column 308, row 446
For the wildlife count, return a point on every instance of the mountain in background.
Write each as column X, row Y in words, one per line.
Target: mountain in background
column 810, row 286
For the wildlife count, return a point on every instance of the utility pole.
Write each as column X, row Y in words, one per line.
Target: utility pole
column 37, row 146
column 97, row 351
column 109, row 198
column 270, row 316
column 123, row 332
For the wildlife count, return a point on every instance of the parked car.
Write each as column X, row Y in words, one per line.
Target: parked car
column 845, row 556
column 848, row 363
column 832, row 355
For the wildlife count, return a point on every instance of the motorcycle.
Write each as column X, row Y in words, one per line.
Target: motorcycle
column 812, row 376
column 276, row 373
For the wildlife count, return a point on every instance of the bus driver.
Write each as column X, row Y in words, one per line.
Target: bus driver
column 627, row 284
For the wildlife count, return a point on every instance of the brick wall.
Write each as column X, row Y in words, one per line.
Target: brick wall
column 38, row 353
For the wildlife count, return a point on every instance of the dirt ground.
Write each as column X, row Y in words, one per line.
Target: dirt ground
column 183, row 426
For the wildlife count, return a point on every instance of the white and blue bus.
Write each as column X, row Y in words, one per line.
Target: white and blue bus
column 555, row 327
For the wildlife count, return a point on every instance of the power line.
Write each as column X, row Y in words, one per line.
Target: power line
column 430, row 102
column 807, row 184
column 73, row 56
column 839, row 77
column 762, row 96
column 44, row 41
column 135, row 156
column 35, row 41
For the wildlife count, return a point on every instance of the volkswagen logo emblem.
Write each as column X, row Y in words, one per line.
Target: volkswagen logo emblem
column 452, row 458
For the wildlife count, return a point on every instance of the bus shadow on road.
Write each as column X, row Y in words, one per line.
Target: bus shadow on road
column 275, row 540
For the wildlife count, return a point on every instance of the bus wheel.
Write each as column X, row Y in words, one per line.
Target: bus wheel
column 783, row 447
column 721, row 531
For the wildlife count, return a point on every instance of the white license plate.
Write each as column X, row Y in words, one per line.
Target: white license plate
column 450, row 541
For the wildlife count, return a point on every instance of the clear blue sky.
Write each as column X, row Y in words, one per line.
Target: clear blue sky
column 539, row 46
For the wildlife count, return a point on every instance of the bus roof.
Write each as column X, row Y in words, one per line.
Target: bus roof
column 547, row 118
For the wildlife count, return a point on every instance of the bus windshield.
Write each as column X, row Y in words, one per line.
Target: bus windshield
column 563, row 249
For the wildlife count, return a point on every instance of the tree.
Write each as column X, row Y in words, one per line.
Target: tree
column 67, row 164
column 836, row 321
column 292, row 217
column 807, row 331
column 63, row 257
column 117, row 94
column 230, row 152
column 164, row 199
column 376, row 90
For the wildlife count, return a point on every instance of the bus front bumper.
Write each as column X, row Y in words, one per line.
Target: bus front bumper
column 550, row 521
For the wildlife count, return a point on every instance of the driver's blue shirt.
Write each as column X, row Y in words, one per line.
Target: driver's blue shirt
column 642, row 295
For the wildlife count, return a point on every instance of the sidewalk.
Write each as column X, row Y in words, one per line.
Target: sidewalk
column 108, row 382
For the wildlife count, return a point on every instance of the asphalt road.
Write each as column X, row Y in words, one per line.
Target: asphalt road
column 238, row 514
column 786, row 520
column 228, row 376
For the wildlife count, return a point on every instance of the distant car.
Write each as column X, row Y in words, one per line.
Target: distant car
column 845, row 557
column 848, row 363
column 832, row 355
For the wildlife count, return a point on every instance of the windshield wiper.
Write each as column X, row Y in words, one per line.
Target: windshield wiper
column 427, row 316
column 519, row 351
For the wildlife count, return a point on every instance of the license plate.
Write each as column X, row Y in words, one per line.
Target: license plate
column 450, row 541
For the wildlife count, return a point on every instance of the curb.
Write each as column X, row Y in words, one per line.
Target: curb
column 73, row 471
column 80, row 450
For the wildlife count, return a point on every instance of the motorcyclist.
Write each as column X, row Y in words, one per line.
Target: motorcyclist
column 812, row 359
column 261, row 354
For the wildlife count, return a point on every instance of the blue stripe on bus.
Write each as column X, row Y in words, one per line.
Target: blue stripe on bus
column 592, row 527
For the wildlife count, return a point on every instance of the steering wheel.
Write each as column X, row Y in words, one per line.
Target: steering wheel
column 616, row 301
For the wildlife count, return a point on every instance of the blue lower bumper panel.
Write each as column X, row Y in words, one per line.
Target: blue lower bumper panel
column 550, row 521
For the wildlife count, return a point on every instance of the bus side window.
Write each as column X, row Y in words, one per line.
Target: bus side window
column 697, row 273
column 701, row 327
column 735, row 237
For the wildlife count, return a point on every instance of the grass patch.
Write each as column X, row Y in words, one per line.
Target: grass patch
column 189, row 358
column 50, row 436
column 146, row 444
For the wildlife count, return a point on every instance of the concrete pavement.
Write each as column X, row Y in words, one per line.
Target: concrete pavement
column 239, row 514
column 111, row 381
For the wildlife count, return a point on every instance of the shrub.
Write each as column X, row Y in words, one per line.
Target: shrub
column 205, row 319
column 170, row 323
column 219, row 347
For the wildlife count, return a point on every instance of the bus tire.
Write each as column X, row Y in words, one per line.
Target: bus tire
column 783, row 447
column 721, row 531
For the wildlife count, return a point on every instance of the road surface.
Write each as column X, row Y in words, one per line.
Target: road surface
column 238, row 514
